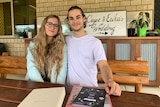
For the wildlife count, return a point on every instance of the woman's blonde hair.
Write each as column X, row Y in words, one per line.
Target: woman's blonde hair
column 55, row 53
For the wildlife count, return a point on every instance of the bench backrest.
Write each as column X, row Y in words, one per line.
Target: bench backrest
column 128, row 72
column 13, row 65
column 131, row 67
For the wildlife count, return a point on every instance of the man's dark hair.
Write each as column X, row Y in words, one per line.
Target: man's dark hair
column 77, row 7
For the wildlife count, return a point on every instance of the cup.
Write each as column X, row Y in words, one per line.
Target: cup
column 29, row 34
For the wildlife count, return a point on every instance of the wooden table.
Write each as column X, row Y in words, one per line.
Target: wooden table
column 12, row 92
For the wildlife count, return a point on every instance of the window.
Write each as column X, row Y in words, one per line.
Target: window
column 6, row 18
column 17, row 17
column 25, row 16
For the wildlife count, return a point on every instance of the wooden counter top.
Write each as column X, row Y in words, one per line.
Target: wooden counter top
column 126, row 37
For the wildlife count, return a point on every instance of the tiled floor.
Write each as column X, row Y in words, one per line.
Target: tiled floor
column 19, row 77
column 145, row 89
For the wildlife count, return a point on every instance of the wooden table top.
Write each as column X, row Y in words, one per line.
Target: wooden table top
column 12, row 92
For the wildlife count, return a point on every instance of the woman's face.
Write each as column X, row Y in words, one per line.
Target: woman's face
column 51, row 27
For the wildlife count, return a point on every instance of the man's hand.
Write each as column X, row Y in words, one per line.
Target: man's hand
column 112, row 88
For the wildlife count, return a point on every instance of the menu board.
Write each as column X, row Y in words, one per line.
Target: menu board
column 112, row 23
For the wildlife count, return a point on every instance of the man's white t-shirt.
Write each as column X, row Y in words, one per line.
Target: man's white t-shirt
column 83, row 55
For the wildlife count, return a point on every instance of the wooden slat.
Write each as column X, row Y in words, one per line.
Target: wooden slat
column 127, row 79
column 12, row 65
column 12, row 62
column 13, row 71
column 131, row 67
column 131, row 79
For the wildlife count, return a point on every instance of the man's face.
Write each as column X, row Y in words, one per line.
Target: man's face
column 76, row 20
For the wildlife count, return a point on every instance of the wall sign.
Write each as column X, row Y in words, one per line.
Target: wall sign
column 111, row 23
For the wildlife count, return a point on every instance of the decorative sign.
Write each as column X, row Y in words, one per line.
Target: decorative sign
column 112, row 23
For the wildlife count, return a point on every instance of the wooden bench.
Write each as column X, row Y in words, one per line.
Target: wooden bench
column 12, row 65
column 128, row 72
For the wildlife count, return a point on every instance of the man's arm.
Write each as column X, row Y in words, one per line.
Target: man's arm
column 107, row 76
column 105, row 70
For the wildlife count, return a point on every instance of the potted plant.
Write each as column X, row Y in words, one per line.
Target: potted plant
column 158, row 31
column 141, row 23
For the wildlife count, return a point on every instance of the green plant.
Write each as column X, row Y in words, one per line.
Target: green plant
column 142, row 20
column 158, row 30
column 141, row 23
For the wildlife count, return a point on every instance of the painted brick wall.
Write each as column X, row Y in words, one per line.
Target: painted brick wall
column 60, row 7
column 16, row 47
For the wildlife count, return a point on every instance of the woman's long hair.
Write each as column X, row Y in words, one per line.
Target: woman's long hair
column 53, row 56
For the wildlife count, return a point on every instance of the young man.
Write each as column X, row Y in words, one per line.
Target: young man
column 85, row 52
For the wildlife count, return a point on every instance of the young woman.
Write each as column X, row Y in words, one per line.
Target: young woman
column 47, row 54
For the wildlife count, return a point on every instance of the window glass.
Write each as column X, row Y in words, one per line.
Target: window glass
column 25, row 17
column 6, row 19
column 17, row 17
